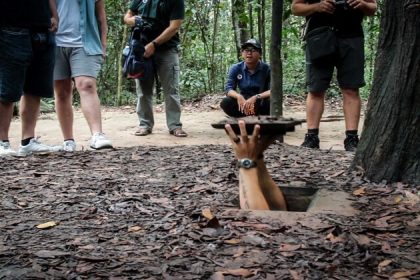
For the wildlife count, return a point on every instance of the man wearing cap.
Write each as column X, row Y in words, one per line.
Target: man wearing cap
column 252, row 77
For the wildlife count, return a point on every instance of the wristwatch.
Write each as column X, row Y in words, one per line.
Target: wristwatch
column 155, row 44
column 258, row 96
column 246, row 163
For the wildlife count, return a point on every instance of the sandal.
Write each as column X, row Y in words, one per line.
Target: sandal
column 143, row 131
column 178, row 132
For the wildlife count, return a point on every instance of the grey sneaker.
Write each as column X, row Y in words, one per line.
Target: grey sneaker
column 35, row 146
column 69, row 146
column 99, row 141
column 6, row 150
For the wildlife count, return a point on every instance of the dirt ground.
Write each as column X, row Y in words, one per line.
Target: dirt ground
column 120, row 124
column 155, row 212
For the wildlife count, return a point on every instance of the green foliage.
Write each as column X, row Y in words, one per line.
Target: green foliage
column 208, row 49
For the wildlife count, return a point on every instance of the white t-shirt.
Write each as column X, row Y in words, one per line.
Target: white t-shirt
column 68, row 33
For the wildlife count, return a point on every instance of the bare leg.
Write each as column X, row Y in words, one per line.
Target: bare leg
column 63, row 106
column 29, row 112
column 86, row 86
column 6, row 114
column 352, row 105
column 314, row 109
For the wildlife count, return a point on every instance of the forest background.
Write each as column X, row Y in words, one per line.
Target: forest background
column 211, row 35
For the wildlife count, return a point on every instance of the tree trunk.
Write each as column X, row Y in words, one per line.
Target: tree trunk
column 276, row 99
column 261, row 27
column 390, row 144
column 239, row 22
column 251, row 18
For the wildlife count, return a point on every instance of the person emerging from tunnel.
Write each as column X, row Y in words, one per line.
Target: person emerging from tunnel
column 252, row 77
column 257, row 190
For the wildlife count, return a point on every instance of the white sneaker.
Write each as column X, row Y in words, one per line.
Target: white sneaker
column 6, row 150
column 69, row 146
column 35, row 146
column 99, row 141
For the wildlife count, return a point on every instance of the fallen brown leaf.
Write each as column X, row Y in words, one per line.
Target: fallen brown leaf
column 360, row 191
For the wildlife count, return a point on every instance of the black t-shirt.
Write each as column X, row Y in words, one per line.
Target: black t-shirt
column 34, row 14
column 157, row 14
column 346, row 20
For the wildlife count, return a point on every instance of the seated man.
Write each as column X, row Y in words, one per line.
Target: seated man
column 257, row 190
column 252, row 76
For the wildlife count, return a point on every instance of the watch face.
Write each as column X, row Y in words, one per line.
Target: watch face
column 246, row 163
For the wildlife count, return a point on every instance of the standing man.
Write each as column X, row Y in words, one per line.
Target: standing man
column 81, row 49
column 160, row 21
column 252, row 77
column 26, row 67
column 345, row 17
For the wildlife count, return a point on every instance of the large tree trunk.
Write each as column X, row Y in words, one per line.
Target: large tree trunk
column 276, row 98
column 390, row 144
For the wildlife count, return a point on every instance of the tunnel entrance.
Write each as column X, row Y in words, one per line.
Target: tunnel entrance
column 298, row 199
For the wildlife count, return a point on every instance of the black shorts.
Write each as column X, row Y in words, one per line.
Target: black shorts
column 24, row 65
column 349, row 60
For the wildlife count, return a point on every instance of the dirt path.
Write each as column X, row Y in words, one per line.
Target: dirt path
column 119, row 124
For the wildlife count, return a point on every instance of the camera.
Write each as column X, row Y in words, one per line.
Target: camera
column 341, row 4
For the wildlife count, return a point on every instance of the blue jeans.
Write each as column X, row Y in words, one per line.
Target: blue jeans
column 26, row 65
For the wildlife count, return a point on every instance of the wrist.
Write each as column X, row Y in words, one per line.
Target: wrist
column 155, row 44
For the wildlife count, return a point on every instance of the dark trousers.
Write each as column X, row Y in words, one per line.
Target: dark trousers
column 230, row 106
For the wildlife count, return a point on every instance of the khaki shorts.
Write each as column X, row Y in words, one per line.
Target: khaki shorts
column 74, row 62
column 349, row 60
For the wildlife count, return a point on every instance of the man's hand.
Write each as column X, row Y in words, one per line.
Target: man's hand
column 54, row 24
column 368, row 7
column 149, row 50
column 241, row 102
column 104, row 52
column 249, row 106
column 244, row 146
column 326, row 6
column 356, row 4
column 248, row 147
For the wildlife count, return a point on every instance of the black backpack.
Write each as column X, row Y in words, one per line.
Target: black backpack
column 134, row 64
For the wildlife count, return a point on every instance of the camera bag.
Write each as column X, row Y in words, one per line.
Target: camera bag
column 321, row 42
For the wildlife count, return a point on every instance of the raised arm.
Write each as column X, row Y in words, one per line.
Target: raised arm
column 257, row 190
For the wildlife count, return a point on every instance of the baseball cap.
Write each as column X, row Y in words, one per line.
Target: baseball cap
column 253, row 43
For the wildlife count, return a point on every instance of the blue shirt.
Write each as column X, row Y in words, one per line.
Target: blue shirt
column 89, row 26
column 249, row 84
column 80, row 15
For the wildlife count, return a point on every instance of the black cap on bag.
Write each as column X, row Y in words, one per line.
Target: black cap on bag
column 253, row 43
